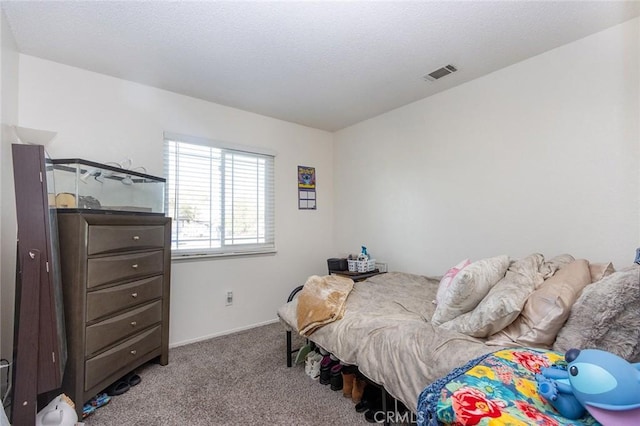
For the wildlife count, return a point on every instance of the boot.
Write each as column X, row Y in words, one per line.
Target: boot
column 336, row 377
column 358, row 389
column 325, row 370
column 348, row 379
column 370, row 399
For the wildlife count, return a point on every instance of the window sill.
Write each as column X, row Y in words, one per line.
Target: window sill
column 211, row 256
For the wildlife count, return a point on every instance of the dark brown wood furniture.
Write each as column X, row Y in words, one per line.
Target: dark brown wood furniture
column 116, row 280
column 39, row 336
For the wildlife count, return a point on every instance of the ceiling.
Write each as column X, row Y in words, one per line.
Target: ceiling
column 324, row 64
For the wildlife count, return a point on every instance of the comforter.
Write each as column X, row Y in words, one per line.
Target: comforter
column 386, row 332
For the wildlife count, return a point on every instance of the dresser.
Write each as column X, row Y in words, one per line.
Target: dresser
column 116, row 278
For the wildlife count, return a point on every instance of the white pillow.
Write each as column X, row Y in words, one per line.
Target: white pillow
column 504, row 301
column 469, row 287
column 448, row 277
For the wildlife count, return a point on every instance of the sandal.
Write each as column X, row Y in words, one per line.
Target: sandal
column 94, row 403
column 118, row 388
column 132, row 379
column 87, row 410
column 100, row 400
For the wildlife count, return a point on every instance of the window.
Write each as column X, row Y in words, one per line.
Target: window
column 221, row 197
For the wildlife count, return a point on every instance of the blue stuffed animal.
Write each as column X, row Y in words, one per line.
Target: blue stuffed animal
column 602, row 383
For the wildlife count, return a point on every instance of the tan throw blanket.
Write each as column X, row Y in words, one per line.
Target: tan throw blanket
column 322, row 301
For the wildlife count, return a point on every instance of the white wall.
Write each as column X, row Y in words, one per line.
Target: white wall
column 541, row 156
column 9, row 113
column 105, row 119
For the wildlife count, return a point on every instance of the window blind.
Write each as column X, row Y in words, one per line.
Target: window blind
column 221, row 200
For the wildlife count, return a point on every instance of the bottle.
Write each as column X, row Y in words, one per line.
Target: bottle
column 364, row 253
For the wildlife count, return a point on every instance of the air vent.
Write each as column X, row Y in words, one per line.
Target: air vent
column 440, row 72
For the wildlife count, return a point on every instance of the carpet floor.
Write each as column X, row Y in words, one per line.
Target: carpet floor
column 237, row 379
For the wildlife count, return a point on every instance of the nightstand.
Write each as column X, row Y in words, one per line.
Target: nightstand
column 356, row 276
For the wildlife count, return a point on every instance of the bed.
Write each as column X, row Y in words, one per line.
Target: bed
column 388, row 328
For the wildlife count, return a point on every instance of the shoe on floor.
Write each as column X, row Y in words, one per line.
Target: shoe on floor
column 118, row 388
column 362, row 406
column 312, row 365
column 88, row 410
column 100, row 400
column 348, row 377
column 336, row 377
column 371, row 399
column 307, row 363
column 132, row 379
column 325, row 369
column 358, row 389
column 301, row 356
column 94, row 403
column 374, row 416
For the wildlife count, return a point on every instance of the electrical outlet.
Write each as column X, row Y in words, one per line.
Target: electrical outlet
column 229, row 298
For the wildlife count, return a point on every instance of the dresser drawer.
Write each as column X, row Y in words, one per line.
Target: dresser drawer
column 104, row 239
column 111, row 330
column 109, row 300
column 104, row 270
column 100, row 367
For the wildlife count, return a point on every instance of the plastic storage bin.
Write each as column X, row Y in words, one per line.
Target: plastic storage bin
column 367, row 265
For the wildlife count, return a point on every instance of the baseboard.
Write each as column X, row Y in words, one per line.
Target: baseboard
column 222, row 333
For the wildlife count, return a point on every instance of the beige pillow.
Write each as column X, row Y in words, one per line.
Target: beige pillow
column 469, row 287
column 547, row 308
column 550, row 266
column 600, row 270
column 606, row 316
column 504, row 301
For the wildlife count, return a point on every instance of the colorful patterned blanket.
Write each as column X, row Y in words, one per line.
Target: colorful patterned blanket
column 494, row 389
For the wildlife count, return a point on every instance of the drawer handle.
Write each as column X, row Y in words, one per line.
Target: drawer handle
column 136, row 237
column 134, row 295
column 134, row 266
column 133, row 323
column 133, row 352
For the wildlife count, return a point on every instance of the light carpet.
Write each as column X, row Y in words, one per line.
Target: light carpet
column 237, row 379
